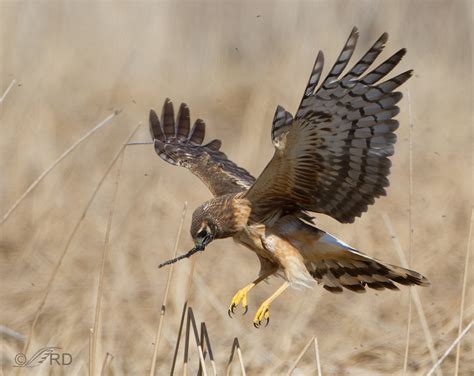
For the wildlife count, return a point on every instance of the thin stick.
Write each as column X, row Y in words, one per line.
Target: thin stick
column 463, row 294
column 165, row 296
column 410, row 226
column 190, row 279
column 71, row 237
column 106, row 363
column 141, row 143
column 192, row 323
column 91, row 339
column 105, row 251
column 407, row 336
column 178, row 340
column 186, row 301
column 8, row 332
column 188, row 297
column 414, row 293
column 318, row 361
column 54, row 164
column 235, row 346
column 305, row 348
column 205, row 340
column 241, row 360
column 7, row 91
column 410, row 178
column 446, row 353
column 180, row 257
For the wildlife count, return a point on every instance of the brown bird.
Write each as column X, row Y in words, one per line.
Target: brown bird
column 330, row 158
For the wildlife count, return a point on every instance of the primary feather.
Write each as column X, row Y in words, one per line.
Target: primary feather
column 332, row 157
column 179, row 145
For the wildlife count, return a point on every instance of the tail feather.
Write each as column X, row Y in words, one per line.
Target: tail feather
column 336, row 265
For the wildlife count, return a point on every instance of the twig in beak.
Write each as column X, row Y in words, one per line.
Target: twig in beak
column 186, row 255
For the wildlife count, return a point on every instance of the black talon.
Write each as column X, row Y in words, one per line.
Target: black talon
column 246, row 310
column 256, row 325
column 230, row 311
column 268, row 320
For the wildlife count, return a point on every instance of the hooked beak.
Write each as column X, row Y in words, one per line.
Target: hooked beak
column 202, row 243
column 199, row 246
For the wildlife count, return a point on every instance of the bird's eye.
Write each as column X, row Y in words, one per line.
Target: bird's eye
column 202, row 233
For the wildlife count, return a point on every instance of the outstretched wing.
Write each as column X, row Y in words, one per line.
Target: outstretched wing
column 332, row 158
column 178, row 144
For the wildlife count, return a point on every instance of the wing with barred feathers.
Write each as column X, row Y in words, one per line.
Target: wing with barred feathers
column 332, row 157
column 179, row 144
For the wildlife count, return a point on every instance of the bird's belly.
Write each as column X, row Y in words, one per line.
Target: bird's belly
column 252, row 237
column 268, row 244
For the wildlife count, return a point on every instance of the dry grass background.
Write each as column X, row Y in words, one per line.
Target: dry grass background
column 76, row 62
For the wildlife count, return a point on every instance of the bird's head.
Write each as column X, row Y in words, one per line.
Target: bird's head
column 217, row 218
column 203, row 231
column 206, row 224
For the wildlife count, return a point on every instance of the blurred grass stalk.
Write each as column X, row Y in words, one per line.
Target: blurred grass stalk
column 2, row 98
column 106, row 363
column 235, row 346
column 318, row 360
column 71, row 237
column 410, row 226
column 183, row 318
column 55, row 163
column 165, row 297
column 414, row 293
column 457, row 341
column 314, row 341
column 206, row 342
column 463, row 294
column 105, row 250
column 191, row 323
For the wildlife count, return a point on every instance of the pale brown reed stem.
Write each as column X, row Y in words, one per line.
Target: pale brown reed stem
column 91, row 339
column 236, row 346
column 207, row 342
column 105, row 251
column 410, row 226
column 54, row 164
column 241, row 361
column 178, row 339
column 2, row 98
column 183, row 316
column 318, row 360
column 449, row 349
column 106, row 363
column 71, row 237
column 165, row 296
column 188, row 298
column 301, row 354
column 463, row 294
column 191, row 324
column 414, row 293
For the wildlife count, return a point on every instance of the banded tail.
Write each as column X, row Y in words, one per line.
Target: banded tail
column 337, row 265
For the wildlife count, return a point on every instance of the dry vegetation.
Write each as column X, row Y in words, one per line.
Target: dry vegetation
column 75, row 63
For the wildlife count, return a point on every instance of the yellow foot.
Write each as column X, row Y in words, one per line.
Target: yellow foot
column 240, row 296
column 263, row 312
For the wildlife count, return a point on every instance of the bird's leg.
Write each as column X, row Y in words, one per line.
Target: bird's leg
column 263, row 312
column 241, row 295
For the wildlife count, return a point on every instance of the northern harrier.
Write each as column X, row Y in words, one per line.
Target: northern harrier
column 330, row 158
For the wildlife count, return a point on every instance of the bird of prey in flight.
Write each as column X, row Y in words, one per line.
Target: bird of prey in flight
column 331, row 157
